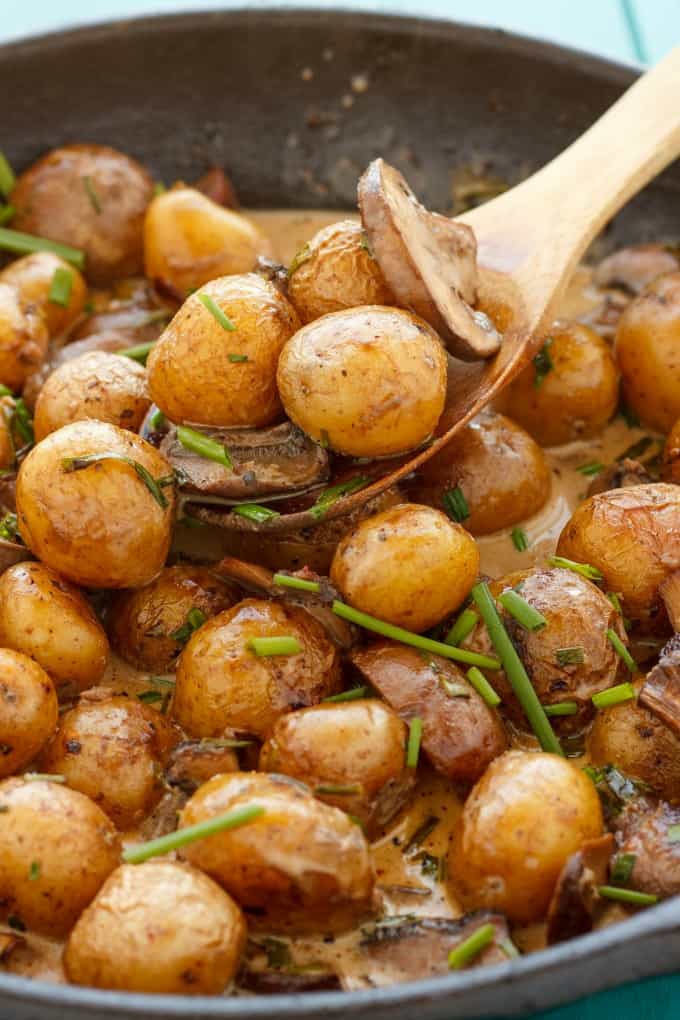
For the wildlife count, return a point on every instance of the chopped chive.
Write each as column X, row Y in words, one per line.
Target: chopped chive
column 483, row 687
column 406, row 637
column 237, row 358
column 34, row 871
column 543, row 363
column 673, row 833
column 61, row 286
column 195, row 619
column 334, row 493
column 216, row 312
column 415, row 734
column 5, row 391
column 304, row 253
column 286, row 581
column 7, row 178
column 92, row 195
column 456, row 505
column 520, row 540
column 613, row 696
column 520, row 610
column 337, row 790
column 159, row 188
column 621, row 649
column 585, row 569
column 561, row 708
column 157, row 419
column 471, row 946
column 202, row 445
column 324, row 439
column 150, row 697
column 255, row 512
column 593, row 467
column 43, row 777
column 182, row 837
column 9, row 528
column 638, row 899
column 622, row 868
column 574, row 655
column 515, row 671
column 430, row 865
column 421, row 832
column 452, row 689
column 140, row 352
column 278, row 953
column 6, row 214
column 615, row 600
column 265, row 646
column 70, row 464
column 26, row 244
column 352, row 695
column 462, row 628
column 509, row 948
column 22, row 421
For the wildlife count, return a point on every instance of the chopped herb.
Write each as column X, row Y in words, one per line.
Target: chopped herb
column 324, row 439
column 182, row 837
column 150, row 697
column 337, row 790
column 157, row 419
column 621, row 649
column 520, row 610
column 278, row 953
column 471, row 946
column 204, row 446
column 462, row 628
column 637, row 899
column 622, row 868
column 26, row 244
column 16, row 923
column 217, row 742
column 585, row 569
column 266, row 646
column 543, row 363
column 255, row 512
column 6, row 214
column 520, row 540
column 9, row 528
column 673, row 833
column 615, row 600
column 34, row 871
column 355, row 694
column 334, row 493
column 140, row 352
column 159, row 188
column 415, row 733
column 483, row 687
column 559, row 708
column 237, row 358
column 22, row 421
column 92, row 195
column 509, row 948
column 615, row 788
column 452, row 689
column 420, row 834
column 636, row 450
column 593, row 467
column 298, row 583
column 304, row 253
column 216, row 312
column 365, row 245
column 431, row 866
column 572, row 656
column 70, row 464
column 356, row 820
column 195, row 619
column 5, row 391
column 61, row 286
column 7, row 178
column 613, row 696
column 43, row 777
column 456, row 505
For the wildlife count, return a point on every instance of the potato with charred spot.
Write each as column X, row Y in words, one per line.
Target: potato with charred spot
column 23, row 338
column 524, row 818
column 409, row 565
column 302, row 866
column 28, row 710
column 367, row 382
column 221, row 683
column 85, row 511
column 33, row 276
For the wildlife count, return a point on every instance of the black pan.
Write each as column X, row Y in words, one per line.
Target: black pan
column 180, row 93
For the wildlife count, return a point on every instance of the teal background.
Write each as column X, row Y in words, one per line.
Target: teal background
column 631, row 30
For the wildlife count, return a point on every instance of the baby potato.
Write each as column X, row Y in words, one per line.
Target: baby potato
column 92, row 198
column 7, row 453
column 28, row 710
column 499, row 468
column 114, row 752
column 203, row 373
column 524, row 818
column 99, row 385
column 56, row 850
column 100, row 525
column 569, row 391
column 647, row 353
column 189, row 240
column 23, row 338
column 221, row 683
column 32, row 277
column 160, row 927
column 143, row 621
column 46, row 617
column 633, row 536
column 351, row 755
column 368, row 382
column 334, row 271
column 302, row 866
column 409, row 565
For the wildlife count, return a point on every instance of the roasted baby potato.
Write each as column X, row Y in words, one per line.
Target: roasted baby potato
column 570, row 391
column 85, row 511
column 221, row 683
column 28, row 710
column 92, row 198
column 302, row 866
column 409, row 565
column 23, row 338
column 201, row 371
column 56, row 850
column 368, row 382
column 33, row 276
column 527, row 814
column 48, row 618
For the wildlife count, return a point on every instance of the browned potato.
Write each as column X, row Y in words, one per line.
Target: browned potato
column 7, row 452
column 302, row 866
column 46, row 617
column 633, row 536
column 671, row 455
column 499, row 468
column 574, row 393
column 336, row 270
column 28, row 710
column 647, row 353
column 143, row 621
column 197, row 371
column 99, row 385
column 369, row 381
column 56, row 850
column 32, row 277
column 409, row 565
column 23, row 338
column 99, row 526
column 221, row 683
column 92, row 198
column 352, row 755
column 189, row 240
column 527, row 814
column 113, row 751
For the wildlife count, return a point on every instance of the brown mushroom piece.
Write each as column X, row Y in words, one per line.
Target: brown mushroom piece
column 575, row 900
column 194, row 762
column 647, row 835
column 632, row 268
column 622, row 474
column 669, row 590
column 58, row 355
column 660, row 692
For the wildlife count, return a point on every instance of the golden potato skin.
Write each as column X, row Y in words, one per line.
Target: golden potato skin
column 409, row 565
column 48, row 618
column 368, row 382
column 500, row 469
column 334, row 271
column 633, row 536
column 358, row 744
column 191, row 377
column 23, row 338
column 113, row 751
column 302, row 866
column 221, row 684
column 91, row 197
column 160, row 927
column 99, row 385
column 527, row 814
column 28, row 710
column 576, row 398
column 99, row 527
column 7, row 453
column 647, row 353
column 32, row 277
column 70, row 840
column 142, row 621
column 189, row 240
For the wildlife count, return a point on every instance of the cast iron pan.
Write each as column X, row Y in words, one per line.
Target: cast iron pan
column 180, row 93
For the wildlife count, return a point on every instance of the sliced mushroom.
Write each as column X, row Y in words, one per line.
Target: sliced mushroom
column 110, row 340
column 632, row 268
column 273, row 271
column 620, row 475
column 194, row 762
column 575, row 901
column 428, row 260
column 669, row 590
column 643, row 833
column 287, row 982
column 215, row 185
column 11, row 553
column 9, row 941
column 660, row 692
